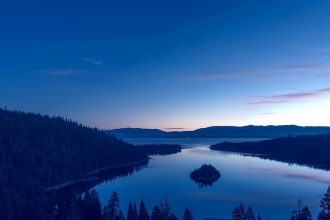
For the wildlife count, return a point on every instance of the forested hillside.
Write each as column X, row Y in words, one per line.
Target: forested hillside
column 313, row 150
column 40, row 151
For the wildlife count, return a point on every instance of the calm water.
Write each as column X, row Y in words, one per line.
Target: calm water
column 272, row 188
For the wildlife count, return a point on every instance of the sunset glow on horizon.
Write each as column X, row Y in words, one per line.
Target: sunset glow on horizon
column 168, row 65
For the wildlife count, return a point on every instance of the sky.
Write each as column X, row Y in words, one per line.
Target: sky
column 172, row 65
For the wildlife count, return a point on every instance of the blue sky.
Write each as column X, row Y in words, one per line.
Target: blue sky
column 168, row 64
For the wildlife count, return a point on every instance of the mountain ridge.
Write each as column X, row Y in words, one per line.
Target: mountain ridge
column 251, row 131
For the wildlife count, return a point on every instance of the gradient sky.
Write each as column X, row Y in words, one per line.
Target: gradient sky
column 168, row 64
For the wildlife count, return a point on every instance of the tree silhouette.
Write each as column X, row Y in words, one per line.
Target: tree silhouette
column 143, row 213
column 325, row 206
column 91, row 206
column 111, row 210
column 296, row 214
column 130, row 214
column 306, row 214
column 250, row 214
column 239, row 213
column 163, row 212
column 235, row 214
column 156, row 213
column 187, row 215
column 135, row 212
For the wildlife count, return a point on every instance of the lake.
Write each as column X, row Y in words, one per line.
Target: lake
column 272, row 188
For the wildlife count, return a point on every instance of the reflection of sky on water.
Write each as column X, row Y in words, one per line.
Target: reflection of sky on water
column 271, row 187
column 291, row 173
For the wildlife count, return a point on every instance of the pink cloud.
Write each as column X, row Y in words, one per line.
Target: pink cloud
column 290, row 97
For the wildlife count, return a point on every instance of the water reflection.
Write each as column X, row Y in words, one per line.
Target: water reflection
column 292, row 173
column 271, row 187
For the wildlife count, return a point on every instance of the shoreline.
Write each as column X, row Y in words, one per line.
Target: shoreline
column 94, row 175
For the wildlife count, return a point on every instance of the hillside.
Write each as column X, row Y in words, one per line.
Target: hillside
column 222, row 132
column 40, row 151
column 311, row 150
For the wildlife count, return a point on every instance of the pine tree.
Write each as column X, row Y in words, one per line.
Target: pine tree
column 259, row 217
column 130, row 212
column 135, row 212
column 156, row 213
column 91, row 206
column 187, row 215
column 235, row 214
column 241, row 212
column 143, row 213
column 111, row 210
column 297, row 214
column 325, row 206
column 250, row 214
column 323, row 216
column 166, row 210
column 96, row 205
column 294, row 215
column 305, row 214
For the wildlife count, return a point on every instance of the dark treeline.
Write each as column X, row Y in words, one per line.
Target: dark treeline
column 239, row 213
column 301, row 213
column 38, row 152
column 310, row 150
column 88, row 207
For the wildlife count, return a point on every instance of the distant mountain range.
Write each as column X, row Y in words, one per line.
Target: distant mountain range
column 222, row 132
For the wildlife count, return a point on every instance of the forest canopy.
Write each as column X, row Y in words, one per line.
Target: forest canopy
column 39, row 151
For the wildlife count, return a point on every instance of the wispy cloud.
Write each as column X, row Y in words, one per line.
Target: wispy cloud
column 262, row 72
column 93, row 61
column 58, row 72
column 290, row 97
column 300, row 95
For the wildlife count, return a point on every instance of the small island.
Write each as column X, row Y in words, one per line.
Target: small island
column 206, row 175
